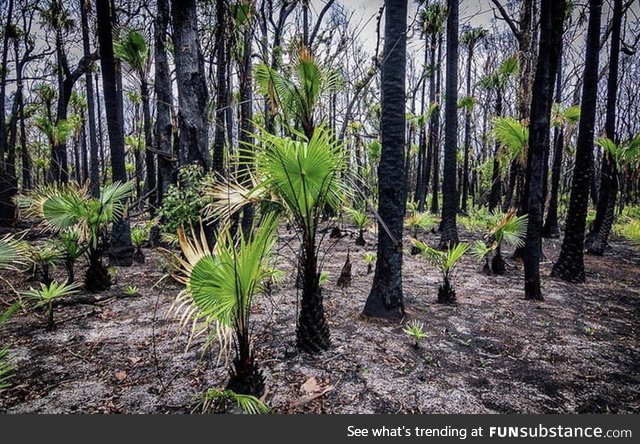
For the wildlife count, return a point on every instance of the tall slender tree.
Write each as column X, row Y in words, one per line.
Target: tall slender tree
column 570, row 263
column 551, row 22
column 470, row 39
column 8, row 185
column 449, row 236
column 164, row 102
column 386, row 298
column 550, row 228
column 94, row 167
column 121, row 250
column 193, row 96
column 605, row 214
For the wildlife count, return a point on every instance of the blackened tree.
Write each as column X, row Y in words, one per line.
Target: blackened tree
column 386, row 298
column 570, row 263
column 551, row 22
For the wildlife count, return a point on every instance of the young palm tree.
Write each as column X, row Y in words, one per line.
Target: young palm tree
column 221, row 285
column 361, row 220
column 71, row 207
column 505, row 228
column 132, row 49
column 46, row 294
column 303, row 178
column 71, row 249
column 446, row 261
column 570, row 263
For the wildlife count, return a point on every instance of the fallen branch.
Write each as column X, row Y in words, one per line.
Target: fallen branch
column 90, row 299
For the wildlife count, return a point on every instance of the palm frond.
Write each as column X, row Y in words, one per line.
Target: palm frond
column 480, row 250
column 246, row 403
column 47, row 293
column 513, row 135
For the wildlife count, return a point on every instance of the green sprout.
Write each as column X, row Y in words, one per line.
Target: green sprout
column 415, row 330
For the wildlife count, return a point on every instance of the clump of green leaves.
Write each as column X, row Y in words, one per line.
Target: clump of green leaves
column 415, row 330
column 361, row 220
column 46, row 294
column 71, row 249
column 507, row 228
column 184, row 202
column 43, row 257
column 446, row 261
column 131, row 290
column 369, row 258
column 221, row 400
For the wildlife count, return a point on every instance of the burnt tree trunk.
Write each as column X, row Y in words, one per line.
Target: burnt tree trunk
column 385, row 298
column 551, row 22
column 570, row 263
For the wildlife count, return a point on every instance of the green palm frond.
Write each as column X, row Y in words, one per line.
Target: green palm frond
column 445, row 260
column 480, row 250
column 222, row 282
column 512, row 135
column 11, row 252
column 423, row 220
column 369, row 258
column 305, row 175
column 247, row 403
column 132, row 49
column 358, row 217
column 568, row 116
column 70, row 243
column 510, row 229
column 47, row 293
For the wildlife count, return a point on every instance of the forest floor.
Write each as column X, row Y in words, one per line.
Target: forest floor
column 491, row 352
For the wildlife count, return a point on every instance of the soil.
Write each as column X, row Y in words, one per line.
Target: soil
column 491, row 352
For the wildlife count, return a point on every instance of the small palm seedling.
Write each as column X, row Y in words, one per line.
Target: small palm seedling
column 66, row 207
column 415, row 330
column 221, row 285
column 361, row 220
column 506, row 228
column 71, row 249
column 419, row 220
column 131, row 290
column 446, row 261
column 323, row 279
column 369, row 259
column 43, row 258
column 220, row 400
column 139, row 235
column 46, row 294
